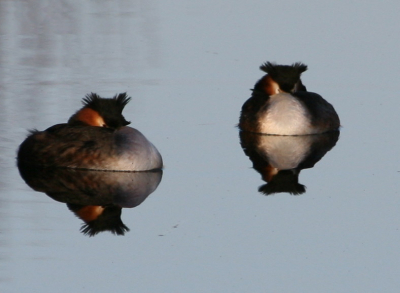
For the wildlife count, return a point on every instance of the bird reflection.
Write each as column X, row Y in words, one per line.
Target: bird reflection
column 279, row 159
column 96, row 197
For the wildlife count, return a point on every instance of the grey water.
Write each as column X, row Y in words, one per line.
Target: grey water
column 189, row 67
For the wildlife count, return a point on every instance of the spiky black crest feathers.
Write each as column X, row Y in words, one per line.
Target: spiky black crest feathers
column 95, row 102
column 285, row 75
column 110, row 109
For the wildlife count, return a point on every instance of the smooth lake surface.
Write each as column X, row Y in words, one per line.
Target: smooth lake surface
column 189, row 67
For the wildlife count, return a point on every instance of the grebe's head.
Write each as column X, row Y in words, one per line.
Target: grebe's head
column 101, row 112
column 281, row 78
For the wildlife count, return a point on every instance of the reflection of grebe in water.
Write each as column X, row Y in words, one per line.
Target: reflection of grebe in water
column 96, row 137
column 96, row 197
column 99, row 218
column 279, row 159
column 281, row 105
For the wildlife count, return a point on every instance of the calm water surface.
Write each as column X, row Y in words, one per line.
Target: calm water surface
column 189, row 68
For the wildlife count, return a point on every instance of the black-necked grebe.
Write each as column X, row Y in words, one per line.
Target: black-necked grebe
column 96, row 137
column 281, row 105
